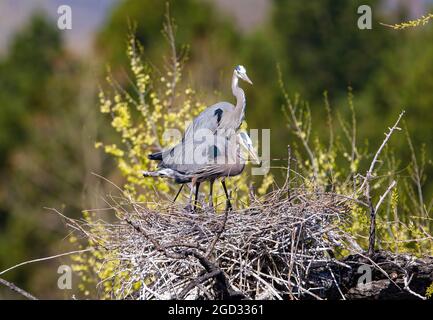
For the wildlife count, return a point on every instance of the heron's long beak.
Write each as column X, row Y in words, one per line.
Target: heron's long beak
column 247, row 144
column 246, row 78
column 253, row 154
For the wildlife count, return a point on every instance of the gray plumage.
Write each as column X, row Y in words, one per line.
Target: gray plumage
column 226, row 161
column 209, row 147
column 217, row 119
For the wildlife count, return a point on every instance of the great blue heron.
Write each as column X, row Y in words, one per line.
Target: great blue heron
column 222, row 159
column 219, row 120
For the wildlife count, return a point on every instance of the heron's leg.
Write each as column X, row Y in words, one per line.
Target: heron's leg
column 177, row 194
column 211, row 193
column 191, row 194
column 197, row 186
column 229, row 204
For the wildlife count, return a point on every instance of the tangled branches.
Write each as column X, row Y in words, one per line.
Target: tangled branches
column 263, row 252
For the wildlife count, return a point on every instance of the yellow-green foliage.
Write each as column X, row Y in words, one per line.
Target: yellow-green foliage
column 98, row 269
column 429, row 292
column 411, row 23
column 338, row 165
column 140, row 116
column 140, row 120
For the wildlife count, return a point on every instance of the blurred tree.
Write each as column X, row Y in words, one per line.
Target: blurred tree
column 210, row 36
column 53, row 169
column 323, row 48
column 23, row 78
column 48, row 129
column 319, row 48
column 405, row 81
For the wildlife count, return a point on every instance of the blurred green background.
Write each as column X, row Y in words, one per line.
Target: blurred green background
column 49, row 79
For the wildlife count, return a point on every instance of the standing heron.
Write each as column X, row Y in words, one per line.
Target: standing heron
column 215, row 122
column 223, row 159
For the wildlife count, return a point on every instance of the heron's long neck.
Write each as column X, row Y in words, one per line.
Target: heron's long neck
column 240, row 100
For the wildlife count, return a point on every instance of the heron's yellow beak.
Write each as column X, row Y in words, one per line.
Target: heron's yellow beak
column 254, row 156
column 248, row 145
column 246, row 78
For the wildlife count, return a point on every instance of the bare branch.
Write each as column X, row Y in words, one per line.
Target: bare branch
column 45, row 259
column 388, row 135
column 13, row 287
column 383, row 196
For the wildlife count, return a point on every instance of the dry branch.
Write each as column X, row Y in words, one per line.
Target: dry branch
column 367, row 185
column 18, row 290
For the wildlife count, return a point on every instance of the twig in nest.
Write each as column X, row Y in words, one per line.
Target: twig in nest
column 219, row 232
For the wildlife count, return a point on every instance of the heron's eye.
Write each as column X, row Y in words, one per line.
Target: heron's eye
column 240, row 69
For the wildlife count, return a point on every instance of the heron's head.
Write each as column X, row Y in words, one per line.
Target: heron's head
column 241, row 73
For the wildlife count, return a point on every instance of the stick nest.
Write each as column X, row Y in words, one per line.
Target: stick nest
column 263, row 252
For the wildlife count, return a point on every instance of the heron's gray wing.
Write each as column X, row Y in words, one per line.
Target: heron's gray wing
column 181, row 156
column 209, row 119
column 219, row 159
column 216, row 170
